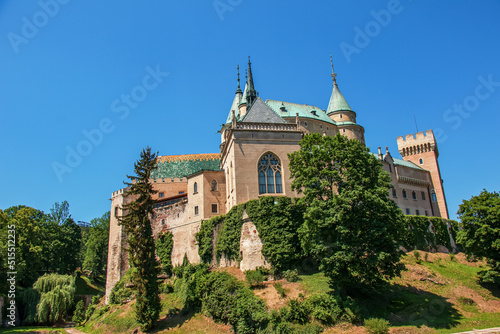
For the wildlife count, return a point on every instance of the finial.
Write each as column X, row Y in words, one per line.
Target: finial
column 334, row 75
column 249, row 63
column 238, row 70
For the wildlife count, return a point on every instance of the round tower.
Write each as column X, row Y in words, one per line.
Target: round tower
column 341, row 113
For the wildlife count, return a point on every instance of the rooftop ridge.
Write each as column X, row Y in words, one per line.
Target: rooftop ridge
column 298, row 104
column 188, row 157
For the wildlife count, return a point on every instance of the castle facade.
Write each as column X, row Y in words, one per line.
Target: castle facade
column 253, row 161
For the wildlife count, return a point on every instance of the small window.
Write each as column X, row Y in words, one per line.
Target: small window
column 426, row 212
column 413, row 195
column 423, row 196
column 181, row 192
column 195, row 188
column 434, row 198
column 404, row 194
column 163, row 221
column 340, row 115
column 407, row 211
column 213, row 185
column 305, row 124
column 215, row 208
column 160, row 195
column 421, row 161
column 417, row 212
column 343, row 130
column 394, row 194
column 390, row 168
column 116, row 211
column 196, row 210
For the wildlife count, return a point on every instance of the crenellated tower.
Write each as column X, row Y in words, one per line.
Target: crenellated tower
column 422, row 150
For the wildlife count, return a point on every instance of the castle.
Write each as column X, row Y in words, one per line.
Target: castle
column 253, row 161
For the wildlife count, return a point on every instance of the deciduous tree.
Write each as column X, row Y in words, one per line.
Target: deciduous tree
column 351, row 226
column 480, row 231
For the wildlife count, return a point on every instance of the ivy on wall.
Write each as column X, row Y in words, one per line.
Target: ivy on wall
column 277, row 219
column 420, row 235
column 164, row 245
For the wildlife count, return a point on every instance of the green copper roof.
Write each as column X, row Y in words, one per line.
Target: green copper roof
column 304, row 110
column 337, row 101
column 177, row 166
column 405, row 163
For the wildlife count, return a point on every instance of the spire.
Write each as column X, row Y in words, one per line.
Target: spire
column 238, row 90
column 251, row 93
column 337, row 100
column 334, row 75
column 236, row 102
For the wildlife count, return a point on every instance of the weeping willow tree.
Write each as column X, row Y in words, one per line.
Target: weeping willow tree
column 57, row 294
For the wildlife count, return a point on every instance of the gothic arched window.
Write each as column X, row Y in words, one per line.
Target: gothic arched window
column 213, row 185
column 270, row 181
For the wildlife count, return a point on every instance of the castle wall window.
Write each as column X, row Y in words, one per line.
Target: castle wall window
column 163, row 221
column 270, row 180
column 116, row 211
column 426, row 212
column 434, row 198
column 215, row 208
column 404, row 194
column 413, row 195
column 407, row 211
column 196, row 210
column 195, row 188
column 421, row 161
column 394, row 194
column 160, row 195
column 417, row 212
column 423, row 196
column 213, row 185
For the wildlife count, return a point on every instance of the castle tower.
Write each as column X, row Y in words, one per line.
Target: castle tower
column 421, row 149
column 341, row 113
column 249, row 93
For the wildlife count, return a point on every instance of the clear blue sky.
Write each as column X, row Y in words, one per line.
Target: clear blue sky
column 67, row 68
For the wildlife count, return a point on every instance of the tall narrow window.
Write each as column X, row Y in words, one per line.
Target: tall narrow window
column 270, row 180
column 195, row 190
column 213, row 185
column 404, row 194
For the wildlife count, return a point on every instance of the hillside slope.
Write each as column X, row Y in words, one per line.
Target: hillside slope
column 437, row 294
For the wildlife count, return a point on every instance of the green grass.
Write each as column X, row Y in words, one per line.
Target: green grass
column 31, row 329
column 479, row 321
column 85, row 286
column 315, row 283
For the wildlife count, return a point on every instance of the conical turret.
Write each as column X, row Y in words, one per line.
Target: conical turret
column 337, row 100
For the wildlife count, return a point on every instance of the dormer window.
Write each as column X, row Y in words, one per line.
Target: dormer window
column 314, row 112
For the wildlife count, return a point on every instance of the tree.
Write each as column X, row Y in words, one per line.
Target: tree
column 59, row 212
column 350, row 225
column 480, row 231
column 137, row 225
column 96, row 254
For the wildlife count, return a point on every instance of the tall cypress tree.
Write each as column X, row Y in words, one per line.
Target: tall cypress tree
column 137, row 225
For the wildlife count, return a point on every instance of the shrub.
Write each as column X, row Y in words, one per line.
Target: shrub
column 79, row 315
column 254, row 277
column 426, row 257
column 291, row 275
column 120, row 292
column 280, row 290
column 416, row 254
column 296, row 311
column 377, row 326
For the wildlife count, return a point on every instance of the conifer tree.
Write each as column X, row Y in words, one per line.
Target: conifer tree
column 137, row 225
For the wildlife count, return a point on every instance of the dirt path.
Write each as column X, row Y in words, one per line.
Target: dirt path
column 74, row 331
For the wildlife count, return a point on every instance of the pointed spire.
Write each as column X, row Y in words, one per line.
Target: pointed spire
column 334, row 75
column 238, row 90
column 251, row 93
column 337, row 100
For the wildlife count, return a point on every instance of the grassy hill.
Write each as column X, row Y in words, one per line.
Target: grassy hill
column 438, row 293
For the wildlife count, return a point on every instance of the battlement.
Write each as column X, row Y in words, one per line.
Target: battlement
column 118, row 193
column 169, row 180
column 417, row 143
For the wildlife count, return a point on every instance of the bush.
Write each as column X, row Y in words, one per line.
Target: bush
column 296, row 311
column 79, row 315
column 377, row 326
column 254, row 277
column 120, row 292
column 280, row 290
column 416, row 254
column 291, row 275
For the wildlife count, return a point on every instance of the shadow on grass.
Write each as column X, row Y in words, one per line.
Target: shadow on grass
column 491, row 287
column 173, row 319
column 409, row 306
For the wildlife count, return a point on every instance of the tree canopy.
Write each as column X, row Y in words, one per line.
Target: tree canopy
column 350, row 225
column 480, row 231
column 96, row 246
